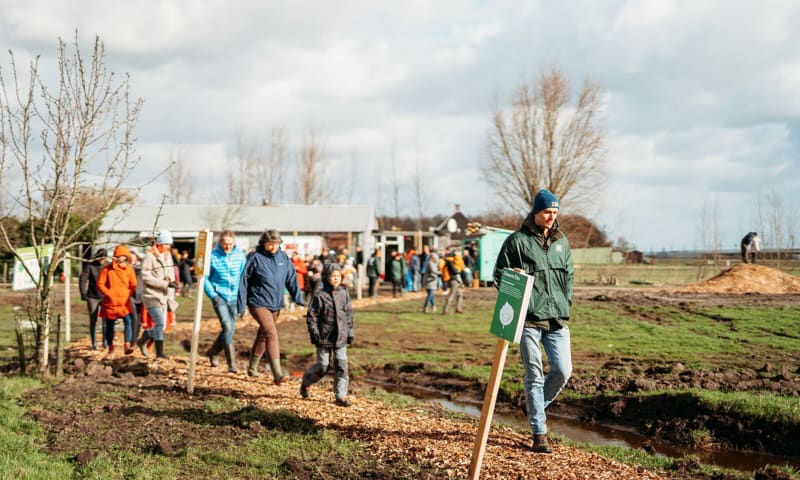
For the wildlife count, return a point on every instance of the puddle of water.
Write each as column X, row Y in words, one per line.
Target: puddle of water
column 602, row 435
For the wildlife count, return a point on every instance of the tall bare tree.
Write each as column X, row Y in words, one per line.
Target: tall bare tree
column 271, row 166
column 779, row 220
column 351, row 180
column 395, row 185
column 419, row 187
column 544, row 140
column 239, row 176
column 709, row 229
column 313, row 185
column 180, row 180
column 58, row 141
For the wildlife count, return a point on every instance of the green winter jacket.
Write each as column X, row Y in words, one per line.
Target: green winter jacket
column 549, row 261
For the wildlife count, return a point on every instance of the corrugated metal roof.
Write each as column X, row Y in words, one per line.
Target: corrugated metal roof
column 243, row 219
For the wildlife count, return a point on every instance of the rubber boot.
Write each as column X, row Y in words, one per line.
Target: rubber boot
column 213, row 351
column 230, row 357
column 252, row 370
column 160, row 349
column 277, row 373
column 142, row 343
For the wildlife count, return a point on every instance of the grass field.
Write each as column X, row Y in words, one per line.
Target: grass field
column 399, row 334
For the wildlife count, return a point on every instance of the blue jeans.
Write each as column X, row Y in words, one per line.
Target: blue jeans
column 108, row 331
column 159, row 316
column 540, row 391
column 341, row 376
column 429, row 299
column 226, row 312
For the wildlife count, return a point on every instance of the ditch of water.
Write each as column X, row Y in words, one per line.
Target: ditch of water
column 598, row 434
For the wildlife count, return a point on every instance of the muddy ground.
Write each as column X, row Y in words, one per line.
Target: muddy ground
column 132, row 394
column 657, row 417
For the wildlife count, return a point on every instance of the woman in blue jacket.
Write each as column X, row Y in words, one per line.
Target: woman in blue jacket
column 267, row 273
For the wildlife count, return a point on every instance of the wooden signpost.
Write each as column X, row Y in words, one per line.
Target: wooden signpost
column 203, row 257
column 511, row 307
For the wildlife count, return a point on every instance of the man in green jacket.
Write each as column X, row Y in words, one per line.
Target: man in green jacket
column 539, row 249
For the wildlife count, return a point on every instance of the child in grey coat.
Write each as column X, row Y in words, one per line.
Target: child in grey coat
column 331, row 329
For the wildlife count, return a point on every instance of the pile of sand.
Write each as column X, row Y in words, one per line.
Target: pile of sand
column 747, row 278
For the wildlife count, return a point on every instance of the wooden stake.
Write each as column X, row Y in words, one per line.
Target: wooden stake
column 488, row 408
column 204, row 242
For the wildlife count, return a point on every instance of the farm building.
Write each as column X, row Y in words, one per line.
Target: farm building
column 596, row 255
column 307, row 228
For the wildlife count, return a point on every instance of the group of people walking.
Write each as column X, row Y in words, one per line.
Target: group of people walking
column 430, row 269
column 141, row 294
column 235, row 281
column 258, row 281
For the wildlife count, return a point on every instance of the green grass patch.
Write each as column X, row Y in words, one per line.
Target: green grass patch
column 286, row 446
column 756, row 405
column 20, row 456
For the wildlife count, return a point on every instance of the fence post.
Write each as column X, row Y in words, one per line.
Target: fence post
column 20, row 345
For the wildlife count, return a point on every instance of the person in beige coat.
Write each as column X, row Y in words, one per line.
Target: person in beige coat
column 158, row 278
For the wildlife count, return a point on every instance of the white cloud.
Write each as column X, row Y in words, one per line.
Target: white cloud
column 701, row 98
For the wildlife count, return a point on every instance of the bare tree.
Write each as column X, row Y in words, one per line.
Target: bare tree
column 419, row 187
column 349, row 183
column 239, row 176
column 710, row 231
column 271, row 166
column 62, row 140
column 312, row 183
column 780, row 221
column 180, row 180
column 395, row 185
column 379, row 194
column 543, row 141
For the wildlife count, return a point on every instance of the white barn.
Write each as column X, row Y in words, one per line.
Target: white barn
column 307, row 227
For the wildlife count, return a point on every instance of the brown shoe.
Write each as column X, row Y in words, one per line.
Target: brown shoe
column 540, row 444
column 282, row 380
column 343, row 402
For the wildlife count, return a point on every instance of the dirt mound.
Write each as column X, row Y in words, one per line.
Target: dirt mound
column 747, row 278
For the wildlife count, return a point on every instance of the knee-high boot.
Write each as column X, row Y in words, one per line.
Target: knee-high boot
column 277, row 373
column 252, row 370
column 142, row 343
column 230, row 357
column 213, row 351
column 160, row 349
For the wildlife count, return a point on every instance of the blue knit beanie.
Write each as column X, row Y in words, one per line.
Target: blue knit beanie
column 544, row 199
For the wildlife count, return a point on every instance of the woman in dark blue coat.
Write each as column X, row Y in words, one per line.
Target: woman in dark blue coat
column 267, row 273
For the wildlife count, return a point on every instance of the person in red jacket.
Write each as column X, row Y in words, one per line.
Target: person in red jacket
column 301, row 269
column 117, row 283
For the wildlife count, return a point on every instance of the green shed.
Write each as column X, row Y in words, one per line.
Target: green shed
column 488, row 247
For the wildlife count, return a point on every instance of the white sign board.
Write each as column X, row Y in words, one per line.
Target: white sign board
column 23, row 280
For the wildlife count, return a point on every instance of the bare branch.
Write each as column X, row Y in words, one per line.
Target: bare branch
column 313, row 186
column 541, row 141
column 180, row 181
column 81, row 130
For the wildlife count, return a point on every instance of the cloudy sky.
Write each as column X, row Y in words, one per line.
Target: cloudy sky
column 701, row 103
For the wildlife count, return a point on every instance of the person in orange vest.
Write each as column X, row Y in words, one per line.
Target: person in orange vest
column 451, row 276
column 117, row 283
